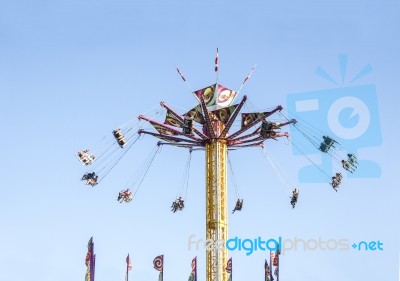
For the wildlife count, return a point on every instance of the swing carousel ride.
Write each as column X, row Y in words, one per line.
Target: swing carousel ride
column 212, row 125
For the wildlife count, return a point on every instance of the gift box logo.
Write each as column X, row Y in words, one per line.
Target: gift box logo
column 349, row 114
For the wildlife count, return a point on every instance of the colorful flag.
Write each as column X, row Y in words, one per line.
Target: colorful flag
column 225, row 97
column 128, row 263
column 214, row 100
column 267, row 271
column 271, row 277
column 276, row 263
column 158, row 263
column 229, row 266
column 248, row 118
column 180, row 73
column 208, row 95
column 229, row 269
column 162, row 130
column 171, row 120
column 193, row 274
column 194, row 265
column 90, row 261
column 196, row 114
column 275, row 258
column 216, row 62
column 223, row 114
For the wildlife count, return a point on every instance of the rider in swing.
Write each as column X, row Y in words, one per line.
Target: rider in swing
column 125, row 196
column 294, row 198
column 238, row 206
column 178, row 205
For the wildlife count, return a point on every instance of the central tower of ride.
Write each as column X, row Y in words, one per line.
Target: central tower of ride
column 216, row 206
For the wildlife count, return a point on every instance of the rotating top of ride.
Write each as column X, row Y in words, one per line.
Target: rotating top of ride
column 212, row 119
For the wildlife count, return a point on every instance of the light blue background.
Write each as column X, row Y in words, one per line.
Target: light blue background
column 72, row 71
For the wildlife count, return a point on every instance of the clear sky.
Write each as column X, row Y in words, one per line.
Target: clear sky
column 72, row 71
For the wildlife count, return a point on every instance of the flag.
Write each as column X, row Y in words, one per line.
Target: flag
column 229, row 269
column 208, row 94
column 229, row 266
column 158, row 263
column 171, row 120
column 128, row 263
column 213, row 99
column 267, row 271
column 223, row 114
column 275, row 262
column 90, row 261
column 180, row 73
column 193, row 274
column 196, row 114
column 248, row 76
column 225, row 96
column 216, row 62
column 248, row 118
column 162, row 130
column 275, row 258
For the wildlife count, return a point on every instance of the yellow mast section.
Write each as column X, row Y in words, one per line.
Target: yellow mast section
column 216, row 206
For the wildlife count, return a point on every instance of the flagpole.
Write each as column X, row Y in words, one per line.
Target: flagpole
column 128, row 267
column 195, row 269
column 216, row 72
column 265, row 270
column 216, row 67
column 279, row 263
column 270, row 267
column 279, row 269
column 92, row 261
column 245, row 80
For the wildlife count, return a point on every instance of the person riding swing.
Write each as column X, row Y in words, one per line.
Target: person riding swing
column 238, row 206
column 294, row 198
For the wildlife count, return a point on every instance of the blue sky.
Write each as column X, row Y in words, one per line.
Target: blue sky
column 72, row 71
